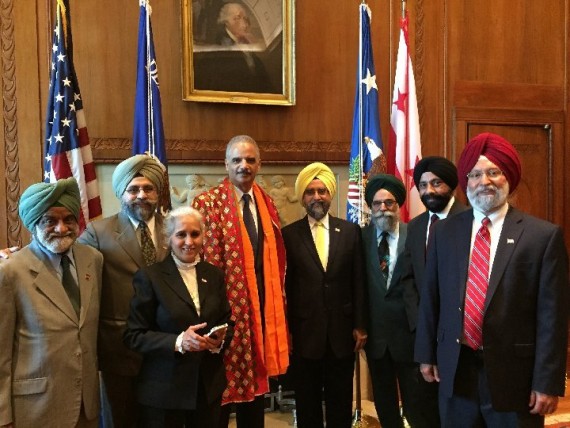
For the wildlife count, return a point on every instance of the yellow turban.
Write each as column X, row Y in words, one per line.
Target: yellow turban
column 316, row 170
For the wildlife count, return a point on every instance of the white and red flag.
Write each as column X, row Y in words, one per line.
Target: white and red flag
column 405, row 145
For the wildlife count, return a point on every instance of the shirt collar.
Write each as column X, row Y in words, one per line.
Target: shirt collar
column 324, row 221
column 495, row 216
column 391, row 233
column 150, row 224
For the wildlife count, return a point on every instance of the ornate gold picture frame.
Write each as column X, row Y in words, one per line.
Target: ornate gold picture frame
column 238, row 51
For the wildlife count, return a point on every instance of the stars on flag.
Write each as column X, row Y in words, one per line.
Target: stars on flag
column 369, row 81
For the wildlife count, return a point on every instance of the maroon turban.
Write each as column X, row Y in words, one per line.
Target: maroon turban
column 497, row 150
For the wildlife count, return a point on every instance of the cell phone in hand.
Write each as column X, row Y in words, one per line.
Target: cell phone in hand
column 213, row 331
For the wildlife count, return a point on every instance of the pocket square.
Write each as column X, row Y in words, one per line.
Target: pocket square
column 510, row 241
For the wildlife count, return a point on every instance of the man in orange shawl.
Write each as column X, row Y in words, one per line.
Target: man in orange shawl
column 244, row 239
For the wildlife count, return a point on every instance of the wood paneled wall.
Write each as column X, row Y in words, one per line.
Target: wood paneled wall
column 497, row 65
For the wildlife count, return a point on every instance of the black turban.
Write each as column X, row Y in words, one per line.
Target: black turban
column 440, row 166
column 388, row 182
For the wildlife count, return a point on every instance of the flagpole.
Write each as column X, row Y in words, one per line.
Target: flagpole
column 360, row 120
column 404, row 8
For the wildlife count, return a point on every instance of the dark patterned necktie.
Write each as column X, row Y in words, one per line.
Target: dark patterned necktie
column 433, row 220
column 476, row 290
column 69, row 284
column 384, row 255
column 147, row 246
column 249, row 222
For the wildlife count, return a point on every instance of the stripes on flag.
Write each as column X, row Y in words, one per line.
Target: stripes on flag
column 67, row 152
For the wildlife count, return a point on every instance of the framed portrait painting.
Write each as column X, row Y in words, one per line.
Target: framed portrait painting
column 238, row 51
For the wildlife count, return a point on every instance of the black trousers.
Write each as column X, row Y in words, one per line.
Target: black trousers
column 310, row 378
column 250, row 414
column 122, row 401
column 470, row 406
column 206, row 415
column 419, row 398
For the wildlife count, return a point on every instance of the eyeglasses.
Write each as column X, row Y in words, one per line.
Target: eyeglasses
column 322, row 191
column 388, row 202
column 436, row 183
column 491, row 173
column 135, row 190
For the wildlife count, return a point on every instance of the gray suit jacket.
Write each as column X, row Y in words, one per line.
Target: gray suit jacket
column 116, row 238
column 48, row 363
column 388, row 325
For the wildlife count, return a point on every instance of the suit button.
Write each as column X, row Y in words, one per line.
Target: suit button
column 78, row 354
column 78, row 381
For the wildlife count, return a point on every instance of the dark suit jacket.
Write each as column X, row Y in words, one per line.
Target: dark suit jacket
column 324, row 305
column 525, row 325
column 160, row 310
column 116, row 238
column 388, row 326
column 416, row 255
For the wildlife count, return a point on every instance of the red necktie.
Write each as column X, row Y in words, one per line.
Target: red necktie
column 476, row 289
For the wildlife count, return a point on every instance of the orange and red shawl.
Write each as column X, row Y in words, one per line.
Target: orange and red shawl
column 248, row 360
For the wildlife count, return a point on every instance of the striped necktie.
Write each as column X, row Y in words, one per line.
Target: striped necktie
column 476, row 289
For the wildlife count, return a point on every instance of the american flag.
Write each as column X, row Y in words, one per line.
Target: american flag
column 67, row 152
column 148, row 131
column 366, row 153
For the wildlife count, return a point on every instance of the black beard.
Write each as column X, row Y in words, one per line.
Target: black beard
column 435, row 202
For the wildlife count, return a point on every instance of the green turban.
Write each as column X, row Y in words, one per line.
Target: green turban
column 145, row 165
column 388, row 182
column 40, row 197
column 316, row 170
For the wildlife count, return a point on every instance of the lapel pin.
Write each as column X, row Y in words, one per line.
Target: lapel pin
column 203, row 280
column 87, row 277
column 510, row 241
column 336, row 229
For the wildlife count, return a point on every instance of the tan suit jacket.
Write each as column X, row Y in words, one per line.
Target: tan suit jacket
column 48, row 358
column 116, row 238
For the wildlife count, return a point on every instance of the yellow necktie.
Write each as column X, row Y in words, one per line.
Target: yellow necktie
column 320, row 242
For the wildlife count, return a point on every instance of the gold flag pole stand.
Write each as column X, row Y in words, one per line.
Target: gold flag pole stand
column 359, row 420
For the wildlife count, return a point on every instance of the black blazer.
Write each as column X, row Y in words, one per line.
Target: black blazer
column 525, row 324
column 160, row 310
column 388, row 321
column 415, row 250
column 324, row 305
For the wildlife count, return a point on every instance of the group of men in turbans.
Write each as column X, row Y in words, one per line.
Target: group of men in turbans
column 462, row 312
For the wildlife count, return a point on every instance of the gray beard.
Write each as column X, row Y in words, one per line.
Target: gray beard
column 57, row 245
column 385, row 222
column 139, row 212
column 488, row 203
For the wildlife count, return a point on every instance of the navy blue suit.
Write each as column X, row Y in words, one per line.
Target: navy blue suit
column 525, row 320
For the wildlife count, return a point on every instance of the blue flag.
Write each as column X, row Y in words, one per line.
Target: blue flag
column 367, row 150
column 148, row 131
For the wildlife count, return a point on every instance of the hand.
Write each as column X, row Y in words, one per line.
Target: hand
column 542, row 404
column 10, row 425
column 429, row 372
column 360, row 337
column 192, row 341
column 5, row 253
